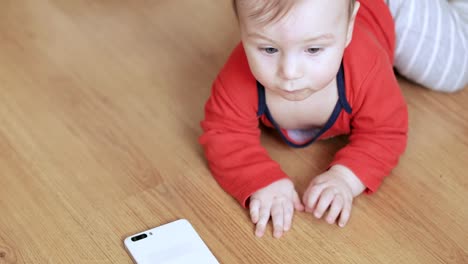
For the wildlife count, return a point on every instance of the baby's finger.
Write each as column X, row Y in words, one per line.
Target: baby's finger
column 345, row 213
column 277, row 217
column 311, row 197
column 254, row 207
column 288, row 210
column 263, row 219
column 297, row 202
column 324, row 202
column 335, row 209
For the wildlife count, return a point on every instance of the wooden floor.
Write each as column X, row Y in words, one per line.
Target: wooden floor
column 100, row 104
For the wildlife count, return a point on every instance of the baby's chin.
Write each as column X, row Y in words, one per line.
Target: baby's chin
column 296, row 96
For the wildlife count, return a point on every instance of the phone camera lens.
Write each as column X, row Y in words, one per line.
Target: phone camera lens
column 139, row 237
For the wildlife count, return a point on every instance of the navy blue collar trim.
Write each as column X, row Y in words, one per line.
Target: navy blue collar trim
column 341, row 104
column 340, row 80
column 261, row 99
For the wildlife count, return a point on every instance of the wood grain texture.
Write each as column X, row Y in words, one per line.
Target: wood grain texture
column 100, row 104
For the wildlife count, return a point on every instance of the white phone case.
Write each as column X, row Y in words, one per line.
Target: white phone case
column 173, row 243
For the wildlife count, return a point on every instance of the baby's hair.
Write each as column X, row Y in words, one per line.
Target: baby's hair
column 267, row 11
column 264, row 11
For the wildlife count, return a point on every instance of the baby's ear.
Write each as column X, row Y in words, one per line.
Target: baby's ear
column 349, row 34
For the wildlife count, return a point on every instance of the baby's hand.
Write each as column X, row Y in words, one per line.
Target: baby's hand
column 333, row 190
column 279, row 200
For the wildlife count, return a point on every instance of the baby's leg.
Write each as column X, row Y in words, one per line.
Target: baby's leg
column 432, row 42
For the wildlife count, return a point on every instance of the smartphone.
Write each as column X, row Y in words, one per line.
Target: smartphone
column 173, row 243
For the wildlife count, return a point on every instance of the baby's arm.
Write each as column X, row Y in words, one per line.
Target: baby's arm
column 379, row 126
column 231, row 141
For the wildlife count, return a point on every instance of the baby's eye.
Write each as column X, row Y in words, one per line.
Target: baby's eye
column 313, row 50
column 270, row 50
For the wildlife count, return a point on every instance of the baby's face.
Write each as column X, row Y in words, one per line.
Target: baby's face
column 301, row 53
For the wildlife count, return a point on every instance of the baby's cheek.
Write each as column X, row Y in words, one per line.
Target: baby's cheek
column 265, row 78
column 260, row 73
column 323, row 74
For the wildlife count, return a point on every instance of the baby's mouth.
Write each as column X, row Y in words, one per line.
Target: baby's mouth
column 292, row 91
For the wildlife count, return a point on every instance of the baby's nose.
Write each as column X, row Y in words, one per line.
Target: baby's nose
column 290, row 69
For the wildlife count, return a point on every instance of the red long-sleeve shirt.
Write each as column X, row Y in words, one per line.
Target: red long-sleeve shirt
column 371, row 109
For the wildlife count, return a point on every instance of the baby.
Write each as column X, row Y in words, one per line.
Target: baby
column 311, row 70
